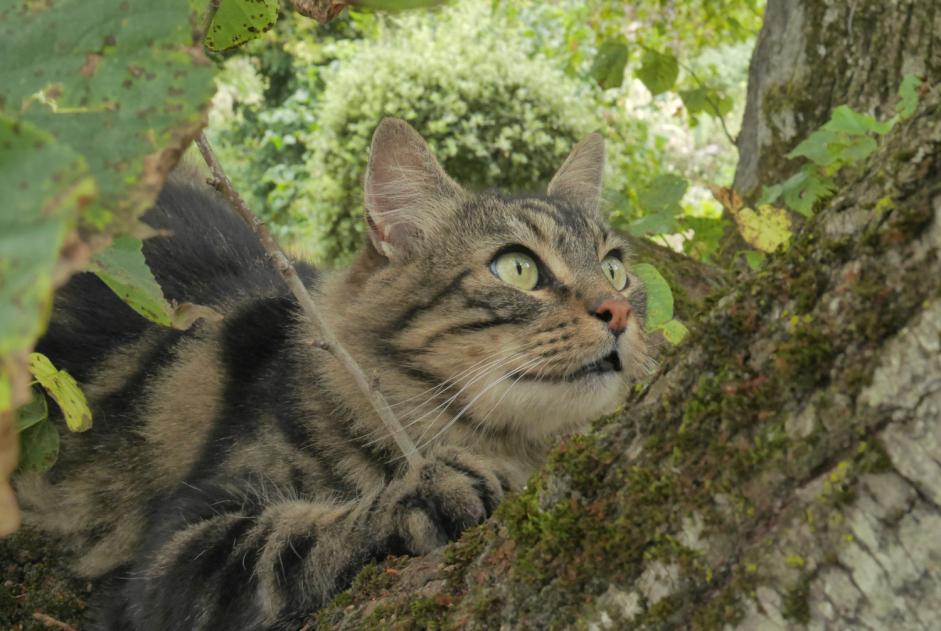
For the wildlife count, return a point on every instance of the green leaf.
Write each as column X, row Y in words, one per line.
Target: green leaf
column 663, row 194
column 122, row 268
column 768, row 229
column 31, row 413
column 707, row 236
column 45, row 185
column 816, row 147
column 845, row 119
column 659, row 296
column 656, row 223
column 804, row 189
column 62, row 387
column 706, row 100
column 859, row 148
column 239, row 21
column 658, row 71
column 755, row 259
column 674, row 331
column 39, row 447
column 608, row 66
column 908, row 96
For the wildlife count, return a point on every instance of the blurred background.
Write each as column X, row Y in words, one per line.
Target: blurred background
column 501, row 90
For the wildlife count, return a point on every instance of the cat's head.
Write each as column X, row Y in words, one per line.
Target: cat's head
column 488, row 313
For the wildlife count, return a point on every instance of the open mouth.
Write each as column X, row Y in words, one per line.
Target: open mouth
column 609, row 363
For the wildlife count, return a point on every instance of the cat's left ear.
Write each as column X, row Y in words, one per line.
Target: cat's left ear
column 578, row 180
column 408, row 194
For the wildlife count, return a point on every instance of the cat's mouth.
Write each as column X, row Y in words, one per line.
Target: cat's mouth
column 610, row 363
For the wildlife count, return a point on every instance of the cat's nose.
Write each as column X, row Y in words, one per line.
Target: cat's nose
column 614, row 311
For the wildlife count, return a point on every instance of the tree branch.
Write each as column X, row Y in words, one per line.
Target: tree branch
column 329, row 342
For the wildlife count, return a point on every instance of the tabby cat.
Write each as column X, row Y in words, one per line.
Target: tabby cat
column 236, row 478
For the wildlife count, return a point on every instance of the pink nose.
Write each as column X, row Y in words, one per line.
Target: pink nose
column 615, row 312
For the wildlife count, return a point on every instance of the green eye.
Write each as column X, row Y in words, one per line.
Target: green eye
column 517, row 269
column 613, row 268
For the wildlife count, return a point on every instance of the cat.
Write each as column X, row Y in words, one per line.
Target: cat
column 236, row 478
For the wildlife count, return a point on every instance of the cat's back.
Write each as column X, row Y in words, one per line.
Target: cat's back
column 155, row 392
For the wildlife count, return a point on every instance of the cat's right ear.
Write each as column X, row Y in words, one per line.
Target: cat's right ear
column 407, row 191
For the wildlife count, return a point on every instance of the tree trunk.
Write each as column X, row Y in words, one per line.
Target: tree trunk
column 812, row 56
column 782, row 469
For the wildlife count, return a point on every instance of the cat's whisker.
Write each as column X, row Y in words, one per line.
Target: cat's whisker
column 539, row 370
column 478, row 374
column 457, row 416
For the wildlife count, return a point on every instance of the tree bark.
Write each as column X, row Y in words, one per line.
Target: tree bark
column 812, row 56
column 782, row 469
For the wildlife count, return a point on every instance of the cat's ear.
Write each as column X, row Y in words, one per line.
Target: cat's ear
column 407, row 191
column 578, row 180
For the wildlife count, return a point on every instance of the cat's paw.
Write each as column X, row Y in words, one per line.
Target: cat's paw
column 451, row 492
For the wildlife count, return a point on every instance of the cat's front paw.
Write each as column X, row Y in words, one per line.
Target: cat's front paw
column 452, row 491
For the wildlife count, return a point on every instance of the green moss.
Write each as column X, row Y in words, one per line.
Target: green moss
column 797, row 601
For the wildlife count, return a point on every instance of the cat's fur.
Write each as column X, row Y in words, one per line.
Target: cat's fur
column 236, row 478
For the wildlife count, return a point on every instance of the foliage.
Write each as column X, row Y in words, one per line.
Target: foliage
column 238, row 21
column 493, row 115
column 849, row 137
column 659, row 304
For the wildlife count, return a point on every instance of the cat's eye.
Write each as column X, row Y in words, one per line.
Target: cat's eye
column 613, row 268
column 517, row 269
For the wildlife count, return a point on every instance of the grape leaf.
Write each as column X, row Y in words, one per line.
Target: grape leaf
column 658, row 71
column 63, row 388
column 239, row 21
column 767, row 229
column 659, row 296
column 608, row 66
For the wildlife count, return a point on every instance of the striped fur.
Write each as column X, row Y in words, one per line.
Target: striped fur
column 235, row 478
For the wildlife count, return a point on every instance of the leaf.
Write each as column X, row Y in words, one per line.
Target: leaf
column 768, row 229
column 755, row 259
column 707, row 236
column 239, row 21
column 816, row 148
column 608, row 66
column 674, row 331
column 706, row 100
column 656, row 223
column 908, row 97
column 39, row 447
column 122, row 268
column 859, row 148
column 845, row 119
column 803, row 190
column 658, row 71
column 731, row 201
column 663, row 194
column 31, row 413
column 63, row 388
column 45, row 184
column 659, row 296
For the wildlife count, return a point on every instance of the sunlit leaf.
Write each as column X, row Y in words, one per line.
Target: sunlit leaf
column 608, row 67
column 62, row 387
column 39, row 447
column 816, row 147
column 767, row 229
column 859, row 148
column 658, row 71
column 239, row 21
column 659, row 296
column 674, row 331
column 656, row 223
column 31, row 413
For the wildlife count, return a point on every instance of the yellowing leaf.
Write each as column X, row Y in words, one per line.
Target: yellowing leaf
column 674, row 331
column 62, row 387
column 767, row 230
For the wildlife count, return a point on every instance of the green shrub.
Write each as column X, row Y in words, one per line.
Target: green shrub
column 494, row 116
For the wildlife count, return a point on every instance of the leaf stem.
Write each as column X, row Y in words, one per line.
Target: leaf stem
column 329, row 341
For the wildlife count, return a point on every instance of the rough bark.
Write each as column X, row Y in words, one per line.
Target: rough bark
column 813, row 55
column 781, row 471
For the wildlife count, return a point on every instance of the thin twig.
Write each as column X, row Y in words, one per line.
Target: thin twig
column 715, row 106
column 207, row 21
column 49, row 621
column 329, row 342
